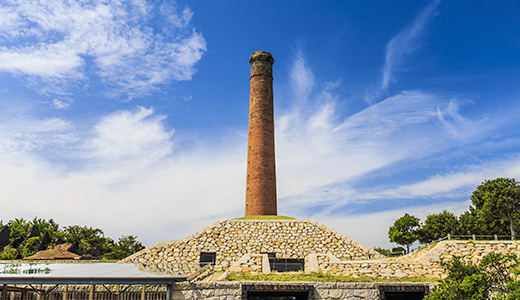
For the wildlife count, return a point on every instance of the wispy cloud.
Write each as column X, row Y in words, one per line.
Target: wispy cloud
column 63, row 103
column 51, row 44
column 312, row 144
column 302, row 80
column 20, row 135
column 406, row 42
column 451, row 185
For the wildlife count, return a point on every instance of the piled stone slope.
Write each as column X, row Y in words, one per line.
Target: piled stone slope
column 469, row 250
column 231, row 239
column 423, row 263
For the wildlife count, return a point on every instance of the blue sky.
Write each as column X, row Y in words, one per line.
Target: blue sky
column 131, row 116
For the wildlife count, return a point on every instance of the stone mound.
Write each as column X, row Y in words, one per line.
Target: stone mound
column 231, row 239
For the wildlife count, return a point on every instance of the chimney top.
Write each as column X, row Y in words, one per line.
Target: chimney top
column 261, row 55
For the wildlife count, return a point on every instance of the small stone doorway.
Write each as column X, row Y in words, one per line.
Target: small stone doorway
column 402, row 292
column 404, row 296
column 278, row 296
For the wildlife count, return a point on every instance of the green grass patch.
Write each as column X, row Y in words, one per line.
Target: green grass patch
column 266, row 218
column 318, row 277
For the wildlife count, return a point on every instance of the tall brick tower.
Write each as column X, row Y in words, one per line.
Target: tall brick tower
column 261, row 171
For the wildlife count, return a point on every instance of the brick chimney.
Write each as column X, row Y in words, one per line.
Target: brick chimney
column 261, row 171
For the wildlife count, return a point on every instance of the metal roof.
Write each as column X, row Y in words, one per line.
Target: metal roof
column 80, row 273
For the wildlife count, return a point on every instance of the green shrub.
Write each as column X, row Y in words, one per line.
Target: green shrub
column 29, row 248
column 8, row 253
column 496, row 277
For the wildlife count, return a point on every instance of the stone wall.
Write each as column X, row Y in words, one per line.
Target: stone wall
column 234, row 290
column 321, row 290
column 233, row 239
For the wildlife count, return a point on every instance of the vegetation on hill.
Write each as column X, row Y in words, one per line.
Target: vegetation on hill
column 495, row 277
column 495, row 210
column 319, row 276
column 86, row 241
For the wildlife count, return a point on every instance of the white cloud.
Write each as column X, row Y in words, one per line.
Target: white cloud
column 126, row 135
column 51, row 42
column 64, row 103
column 406, row 42
column 47, row 63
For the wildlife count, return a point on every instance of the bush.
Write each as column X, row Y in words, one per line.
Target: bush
column 494, row 278
column 8, row 253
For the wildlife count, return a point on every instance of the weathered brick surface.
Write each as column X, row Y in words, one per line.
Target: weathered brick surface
column 261, row 171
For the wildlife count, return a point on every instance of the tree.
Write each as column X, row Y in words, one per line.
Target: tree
column 499, row 198
column 126, row 246
column 476, row 222
column 19, row 228
column 51, row 227
column 404, row 231
column 437, row 226
column 494, row 278
column 88, row 239
column 29, row 248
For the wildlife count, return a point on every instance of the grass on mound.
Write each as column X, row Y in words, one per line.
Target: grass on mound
column 319, row 276
column 266, row 218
